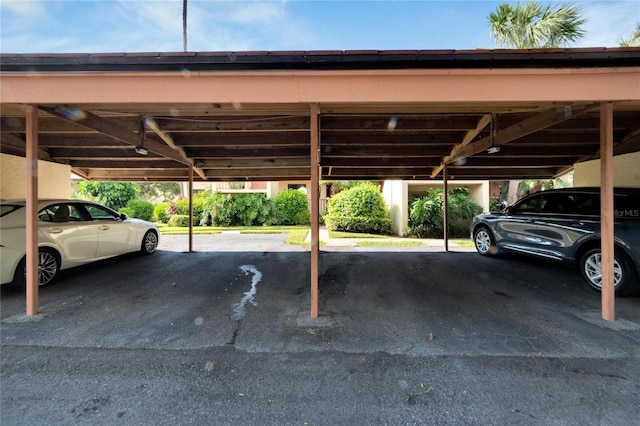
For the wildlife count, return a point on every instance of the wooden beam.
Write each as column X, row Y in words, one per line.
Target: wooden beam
column 32, row 257
column 468, row 138
column 630, row 143
column 607, row 212
column 104, row 126
column 314, row 130
column 9, row 139
column 151, row 123
column 526, row 127
column 253, row 163
column 83, row 173
column 383, row 163
column 158, row 162
column 190, row 209
column 445, row 225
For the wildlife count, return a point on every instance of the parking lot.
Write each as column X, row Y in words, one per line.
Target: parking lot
column 405, row 336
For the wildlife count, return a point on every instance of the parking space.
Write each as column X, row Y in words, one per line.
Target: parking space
column 427, row 318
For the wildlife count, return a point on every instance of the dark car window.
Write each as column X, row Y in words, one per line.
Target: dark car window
column 8, row 208
column 62, row 213
column 101, row 213
column 586, row 204
column 627, row 206
column 532, row 204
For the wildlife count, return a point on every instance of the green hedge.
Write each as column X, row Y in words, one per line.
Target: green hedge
column 291, row 207
column 179, row 220
column 160, row 213
column 358, row 209
column 139, row 209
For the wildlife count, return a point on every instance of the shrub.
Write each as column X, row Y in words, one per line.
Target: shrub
column 240, row 210
column 129, row 212
column 160, row 213
column 358, row 209
column 139, row 209
column 218, row 209
column 291, row 207
column 251, row 209
column 426, row 214
column 182, row 207
column 179, row 220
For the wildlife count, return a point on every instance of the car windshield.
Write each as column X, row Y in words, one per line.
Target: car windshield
column 5, row 209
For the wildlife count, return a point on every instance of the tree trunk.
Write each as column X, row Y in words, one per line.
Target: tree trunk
column 512, row 194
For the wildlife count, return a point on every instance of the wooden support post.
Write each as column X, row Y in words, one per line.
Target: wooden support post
column 33, row 278
column 445, row 225
column 190, row 209
column 315, row 207
column 607, row 213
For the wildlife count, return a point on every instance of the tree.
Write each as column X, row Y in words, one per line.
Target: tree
column 184, row 25
column 152, row 190
column 531, row 25
column 112, row 194
column 633, row 40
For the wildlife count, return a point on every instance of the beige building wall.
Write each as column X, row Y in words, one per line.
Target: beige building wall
column 396, row 194
column 54, row 180
column 626, row 170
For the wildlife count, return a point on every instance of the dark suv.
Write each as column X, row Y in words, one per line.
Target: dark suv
column 564, row 225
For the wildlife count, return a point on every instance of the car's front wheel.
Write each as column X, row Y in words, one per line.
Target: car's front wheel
column 623, row 272
column 48, row 268
column 149, row 242
column 484, row 241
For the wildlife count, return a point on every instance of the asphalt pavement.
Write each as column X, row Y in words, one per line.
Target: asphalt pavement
column 406, row 335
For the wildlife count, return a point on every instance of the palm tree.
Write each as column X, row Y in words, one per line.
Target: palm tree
column 531, row 25
column 184, row 25
column 634, row 40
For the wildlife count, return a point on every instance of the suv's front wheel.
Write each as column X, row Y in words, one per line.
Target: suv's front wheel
column 484, row 241
column 623, row 272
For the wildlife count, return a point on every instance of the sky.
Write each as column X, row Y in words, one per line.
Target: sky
column 92, row 26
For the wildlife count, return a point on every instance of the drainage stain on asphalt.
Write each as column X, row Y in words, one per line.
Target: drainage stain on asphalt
column 240, row 310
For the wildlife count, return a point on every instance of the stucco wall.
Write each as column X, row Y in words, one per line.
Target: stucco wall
column 396, row 194
column 54, row 180
column 626, row 171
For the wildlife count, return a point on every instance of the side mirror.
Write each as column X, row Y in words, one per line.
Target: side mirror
column 123, row 216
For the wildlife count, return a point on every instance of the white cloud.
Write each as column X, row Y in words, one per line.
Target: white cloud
column 32, row 9
column 608, row 22
column 258, row 13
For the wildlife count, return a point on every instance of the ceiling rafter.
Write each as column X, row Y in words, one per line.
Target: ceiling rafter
column 104, row 126
column 525, row 127
column 153, row 125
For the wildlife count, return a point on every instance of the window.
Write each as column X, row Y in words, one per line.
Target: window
column 530, row 205
column 101, row 213
column 8, row 208
column 63, row 213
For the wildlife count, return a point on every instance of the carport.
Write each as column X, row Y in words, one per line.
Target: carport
column 229, row 116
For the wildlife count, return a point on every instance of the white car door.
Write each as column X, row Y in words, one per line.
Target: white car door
column 114, row 235
column 70, row 229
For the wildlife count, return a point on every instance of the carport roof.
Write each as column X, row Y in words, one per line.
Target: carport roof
column 383, row 114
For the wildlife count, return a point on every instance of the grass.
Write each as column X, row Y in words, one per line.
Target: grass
column 296, row 234
column 465, row 243
column 388, row 243
column 342, row 234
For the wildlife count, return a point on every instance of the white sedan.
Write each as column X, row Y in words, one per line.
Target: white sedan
column 70, row 233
